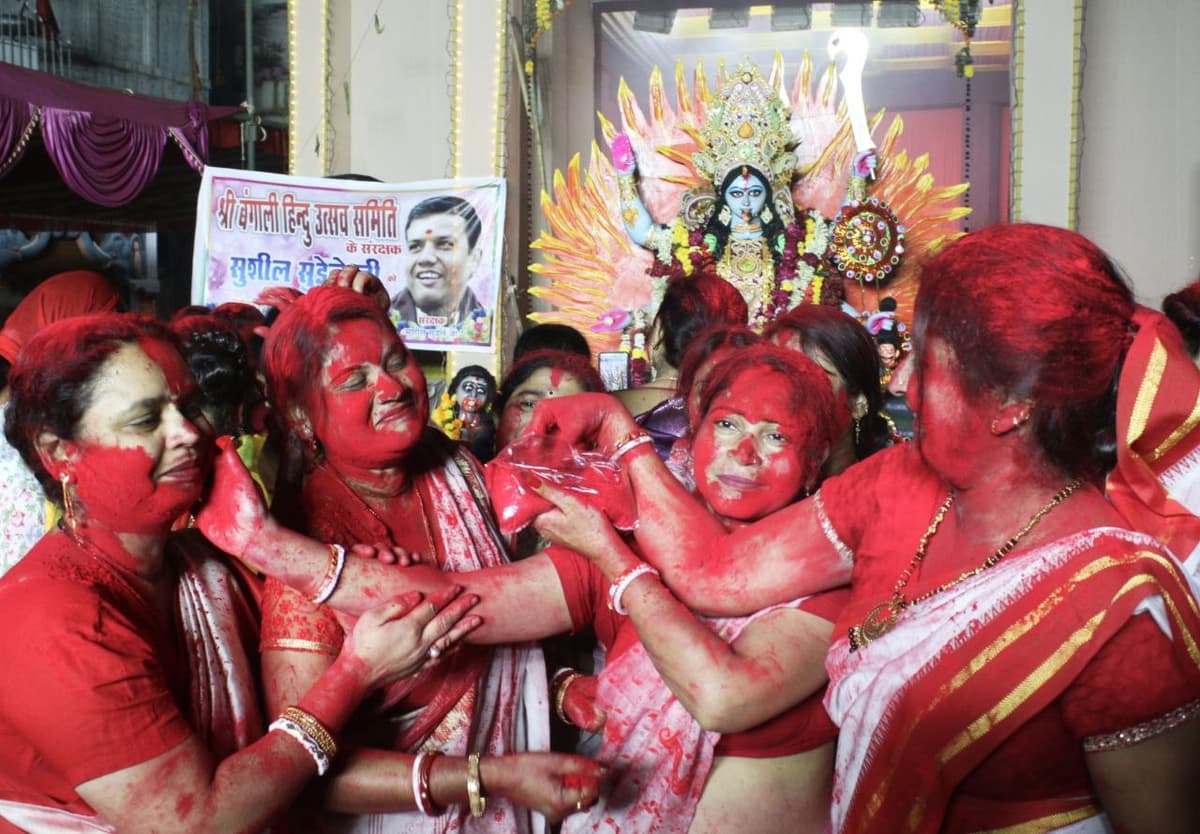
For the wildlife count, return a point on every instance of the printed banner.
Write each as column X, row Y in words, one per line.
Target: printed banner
column 436, row 245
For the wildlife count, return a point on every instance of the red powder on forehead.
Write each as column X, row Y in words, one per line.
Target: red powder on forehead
column 296, row 343
column 168, row 358
column 556, row 375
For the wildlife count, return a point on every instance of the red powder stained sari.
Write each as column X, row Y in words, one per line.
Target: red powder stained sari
column 490, row 700
column 94, row 682
column 975, row 710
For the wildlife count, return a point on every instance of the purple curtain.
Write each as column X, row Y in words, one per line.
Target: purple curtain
column 15, row 119
column 104, row 159
column 106, row 145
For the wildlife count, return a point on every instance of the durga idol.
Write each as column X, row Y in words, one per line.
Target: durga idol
column 742, row 216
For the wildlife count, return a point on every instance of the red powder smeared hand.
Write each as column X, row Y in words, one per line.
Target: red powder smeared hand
column 234, row 513
column 589, row 476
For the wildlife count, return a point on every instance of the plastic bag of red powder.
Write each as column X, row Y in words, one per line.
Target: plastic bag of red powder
column 589, row 476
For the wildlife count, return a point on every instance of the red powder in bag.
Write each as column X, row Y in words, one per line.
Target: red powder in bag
column 589, row 476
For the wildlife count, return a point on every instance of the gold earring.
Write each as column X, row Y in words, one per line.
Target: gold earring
column 69, row 517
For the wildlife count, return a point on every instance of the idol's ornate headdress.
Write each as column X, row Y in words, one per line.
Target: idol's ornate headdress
column 747, row 126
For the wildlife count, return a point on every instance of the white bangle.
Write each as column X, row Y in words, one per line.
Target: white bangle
column 310, row 744
column 337, row 563
column 617, row 589
column 629, row 445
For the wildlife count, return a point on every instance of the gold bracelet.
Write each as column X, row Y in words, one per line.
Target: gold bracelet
column 314, row 728
column 475, row 797
column 560, row 695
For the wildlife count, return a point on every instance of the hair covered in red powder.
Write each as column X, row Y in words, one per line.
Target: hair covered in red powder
column 302, row 336
column 691, row 305
column 51, row 383
column 806, row 385
column 1035, row 312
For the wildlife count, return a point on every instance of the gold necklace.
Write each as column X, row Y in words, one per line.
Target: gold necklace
column 882, row 618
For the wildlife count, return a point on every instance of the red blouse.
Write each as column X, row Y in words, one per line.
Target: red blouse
column 94, row 680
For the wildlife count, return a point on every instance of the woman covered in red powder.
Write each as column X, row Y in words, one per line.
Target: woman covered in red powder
column 1013, row 655
column 350, row 390
column 535, row 376
column 129, row 700
column 712, row 725
column 756, row 454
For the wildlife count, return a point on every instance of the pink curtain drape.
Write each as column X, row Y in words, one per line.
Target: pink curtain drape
column 106, row 145
column 16, row 119
column 105, row 160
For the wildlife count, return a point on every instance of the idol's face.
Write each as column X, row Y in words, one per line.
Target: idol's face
column 472, row 388
column 746, row 195
column 889, row 355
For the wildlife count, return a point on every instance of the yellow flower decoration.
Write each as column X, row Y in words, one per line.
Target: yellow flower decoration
column 817, row 282
column 444, row 419
column 679, row 235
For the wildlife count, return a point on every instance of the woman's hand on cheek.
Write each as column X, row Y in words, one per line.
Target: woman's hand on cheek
column 235, row 513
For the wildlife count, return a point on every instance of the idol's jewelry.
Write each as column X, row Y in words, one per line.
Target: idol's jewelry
column 882, row 618
column 618, row 588
column 475, row 797
column 725, row 215
column 333, row 574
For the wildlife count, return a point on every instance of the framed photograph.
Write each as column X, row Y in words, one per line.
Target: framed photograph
column 614, row 370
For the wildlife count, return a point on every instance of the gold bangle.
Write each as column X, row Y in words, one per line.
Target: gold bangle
column 475, row 797
column 314, row 728
column 560, row 695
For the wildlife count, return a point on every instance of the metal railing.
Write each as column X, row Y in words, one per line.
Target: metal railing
column 25, row 40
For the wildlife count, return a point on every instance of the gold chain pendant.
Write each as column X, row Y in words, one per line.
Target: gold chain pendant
column 879, row 621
